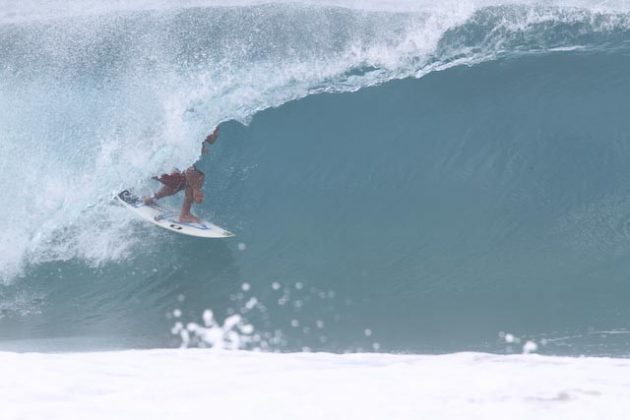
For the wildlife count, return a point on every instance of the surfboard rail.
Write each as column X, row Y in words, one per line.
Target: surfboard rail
column 168, row 218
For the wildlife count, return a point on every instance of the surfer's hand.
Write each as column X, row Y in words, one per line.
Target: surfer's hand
column 213, row 136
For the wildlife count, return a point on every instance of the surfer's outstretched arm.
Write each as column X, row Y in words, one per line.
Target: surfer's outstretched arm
column 212, row 137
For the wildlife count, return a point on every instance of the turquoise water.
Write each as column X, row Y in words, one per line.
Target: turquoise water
column 408, row 181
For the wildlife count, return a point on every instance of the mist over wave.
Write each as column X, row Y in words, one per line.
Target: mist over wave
column 94, row 100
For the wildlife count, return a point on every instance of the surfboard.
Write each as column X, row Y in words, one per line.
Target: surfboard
column 169, row 219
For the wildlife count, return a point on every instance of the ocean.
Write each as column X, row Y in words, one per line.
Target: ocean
column 418, row 178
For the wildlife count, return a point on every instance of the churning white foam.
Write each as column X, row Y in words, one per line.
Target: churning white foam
column 167, row 384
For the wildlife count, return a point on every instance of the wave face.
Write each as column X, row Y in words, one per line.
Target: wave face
column 400, row 177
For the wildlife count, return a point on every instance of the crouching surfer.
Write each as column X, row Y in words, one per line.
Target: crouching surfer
column 190, row 181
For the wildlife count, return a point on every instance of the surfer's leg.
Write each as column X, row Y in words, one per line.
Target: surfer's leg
column 194, row 182
column 171, row 184
column 185, row 216
column 165, row 191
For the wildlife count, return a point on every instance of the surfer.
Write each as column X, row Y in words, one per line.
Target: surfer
column 190, row 181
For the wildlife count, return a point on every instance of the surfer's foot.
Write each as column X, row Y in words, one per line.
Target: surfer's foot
column 149, row 201
column 188, row 218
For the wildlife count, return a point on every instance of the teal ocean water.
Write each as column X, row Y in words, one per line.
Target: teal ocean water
column 401, row 177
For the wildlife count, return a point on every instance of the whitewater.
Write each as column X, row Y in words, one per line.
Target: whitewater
column 166, row 384
column 424, row 194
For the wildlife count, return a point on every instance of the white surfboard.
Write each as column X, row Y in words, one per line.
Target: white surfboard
column 169, row 219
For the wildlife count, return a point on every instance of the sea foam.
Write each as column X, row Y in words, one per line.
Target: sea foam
column 167, row 384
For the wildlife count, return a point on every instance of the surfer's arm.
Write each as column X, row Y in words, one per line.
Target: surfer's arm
column 213, row 136
column 210, row 139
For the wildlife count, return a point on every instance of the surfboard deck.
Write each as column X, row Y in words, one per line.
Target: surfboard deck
column 169, row 219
